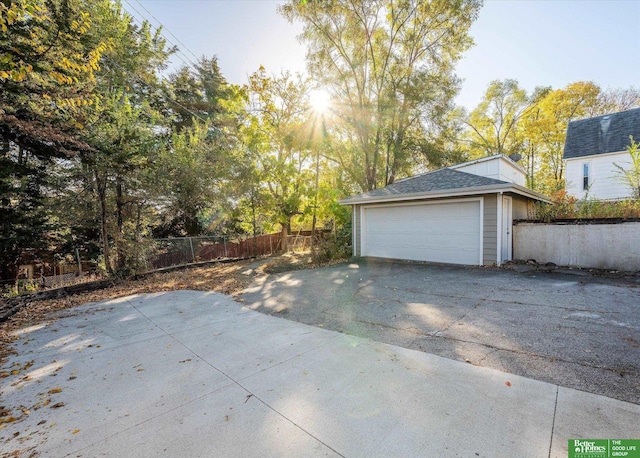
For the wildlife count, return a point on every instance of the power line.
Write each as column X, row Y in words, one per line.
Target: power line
column 141, row 19
column 152, row 87
column 165, row 28
column 179, row 51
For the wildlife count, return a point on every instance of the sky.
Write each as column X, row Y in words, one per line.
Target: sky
column 537, row 42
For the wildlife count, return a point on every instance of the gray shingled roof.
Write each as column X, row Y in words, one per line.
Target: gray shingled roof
column 438, row 180
column 602, row 134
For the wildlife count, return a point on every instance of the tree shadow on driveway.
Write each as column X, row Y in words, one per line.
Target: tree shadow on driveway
column 580, row 333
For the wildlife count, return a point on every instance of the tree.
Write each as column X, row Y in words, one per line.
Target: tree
column 46, row 74
column 494, row 123
column 613, row 100
column 631, row 175
column 190, row 172
column 124, row 127
column 24, row 216
column 548, row 129
column 530, row 147
column 389, row 66
column 198, row 94
column 277, row 143
column 205, row 113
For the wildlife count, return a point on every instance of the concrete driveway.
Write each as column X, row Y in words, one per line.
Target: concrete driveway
column 578, row 332
column 194, row 374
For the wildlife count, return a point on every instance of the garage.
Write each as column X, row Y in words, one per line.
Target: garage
column 444, row 232
column 457, row 215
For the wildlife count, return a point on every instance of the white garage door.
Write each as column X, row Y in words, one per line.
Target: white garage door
column 438, row 232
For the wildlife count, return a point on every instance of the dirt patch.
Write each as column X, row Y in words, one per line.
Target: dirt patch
column 230, row 279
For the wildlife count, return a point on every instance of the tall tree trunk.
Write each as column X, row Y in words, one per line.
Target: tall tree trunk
column 120, row 203
column 315, row 202
column 253, row 220
column 101, row 191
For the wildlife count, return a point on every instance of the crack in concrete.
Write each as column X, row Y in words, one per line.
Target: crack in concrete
column 500, row 301
column 553, row 422
column 486, row 355
column 552, row 359
column 457, row 320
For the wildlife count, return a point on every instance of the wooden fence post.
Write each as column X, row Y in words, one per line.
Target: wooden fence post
column 79, row 262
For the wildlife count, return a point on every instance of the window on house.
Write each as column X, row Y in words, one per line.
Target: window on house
column 585, row 176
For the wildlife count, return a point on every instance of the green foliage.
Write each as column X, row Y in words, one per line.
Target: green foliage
column 24, row 228
column 630, row 176
column 508, row 121
column 277, row 154
column 47, row 69
column 190, row 172
column 493, row 124
column 335, row 246
column 389, row 67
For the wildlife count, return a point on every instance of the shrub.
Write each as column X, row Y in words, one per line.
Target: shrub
column 336, row 245
column 564, row 206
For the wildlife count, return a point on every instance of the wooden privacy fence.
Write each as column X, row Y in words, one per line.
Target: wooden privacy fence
column 258, row 246
column 188, row 250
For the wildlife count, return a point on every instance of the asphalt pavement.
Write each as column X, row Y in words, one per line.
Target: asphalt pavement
column 581, row 332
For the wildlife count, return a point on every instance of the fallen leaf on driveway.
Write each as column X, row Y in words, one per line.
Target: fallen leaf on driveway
column 55, row 390
column 632, row 341
column 507, row 383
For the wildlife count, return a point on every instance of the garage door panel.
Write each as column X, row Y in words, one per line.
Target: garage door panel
column 445, row 232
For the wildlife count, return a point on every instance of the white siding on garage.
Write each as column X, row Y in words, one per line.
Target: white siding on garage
column 497, row 167
column 447, row 232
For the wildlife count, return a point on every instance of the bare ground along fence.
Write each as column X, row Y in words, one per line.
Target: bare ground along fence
column 169, row 252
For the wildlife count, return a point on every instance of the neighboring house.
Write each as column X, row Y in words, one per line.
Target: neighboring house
column 592, row 148
column 446, row 216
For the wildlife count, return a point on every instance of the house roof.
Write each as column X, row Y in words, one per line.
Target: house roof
column 602, row 134
column 440, row 183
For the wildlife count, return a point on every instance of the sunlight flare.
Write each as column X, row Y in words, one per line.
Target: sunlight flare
column 319, row 100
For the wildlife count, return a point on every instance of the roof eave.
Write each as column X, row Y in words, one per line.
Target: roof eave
column 475, row 190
